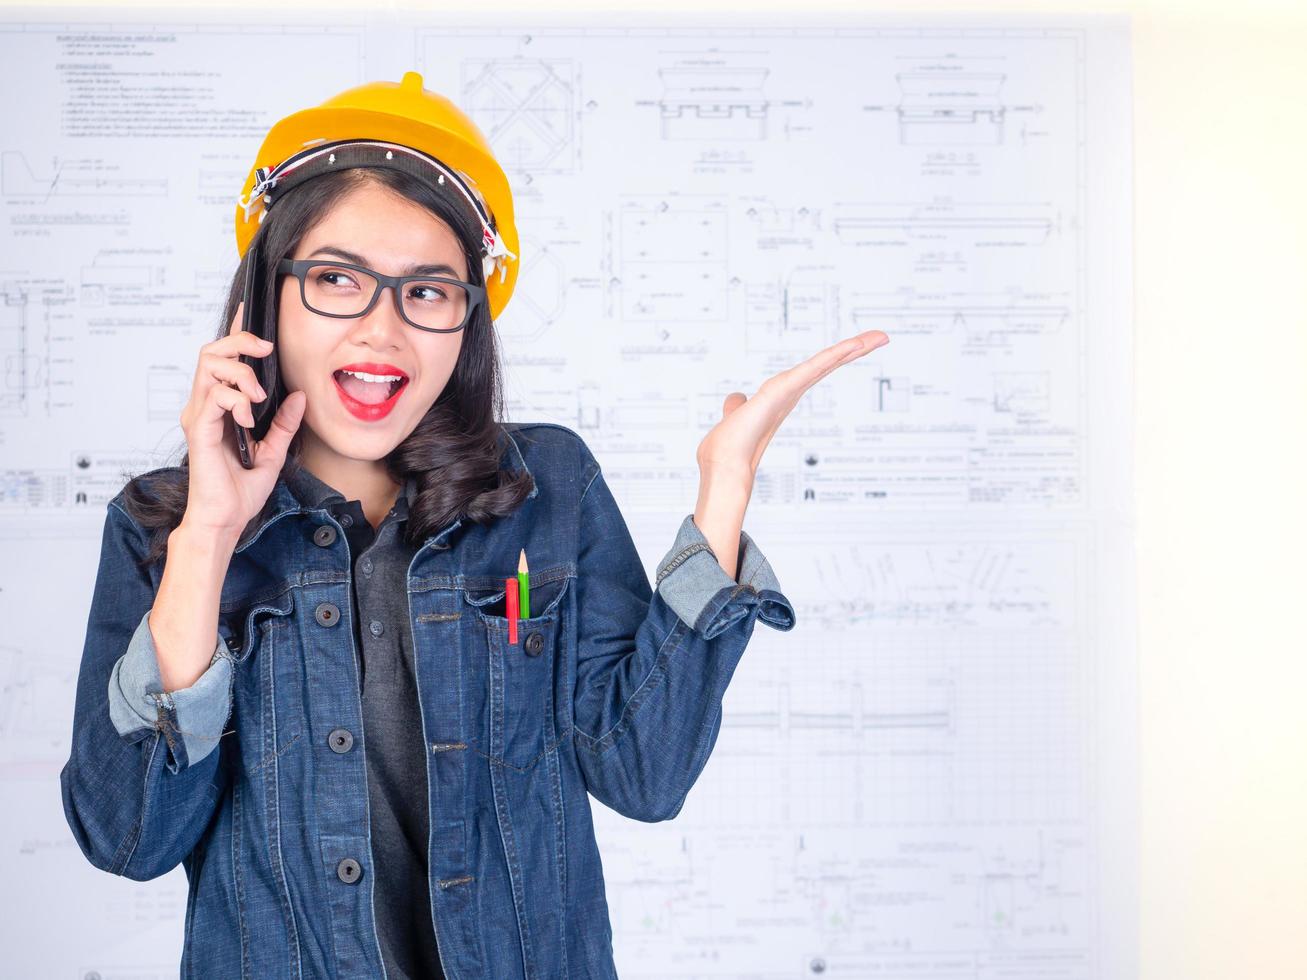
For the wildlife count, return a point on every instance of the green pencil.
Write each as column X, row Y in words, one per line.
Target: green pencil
column 523, row 587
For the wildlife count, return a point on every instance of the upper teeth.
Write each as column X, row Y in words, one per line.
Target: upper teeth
column 373, row 377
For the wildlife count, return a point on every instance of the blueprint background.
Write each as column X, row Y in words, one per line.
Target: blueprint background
column 943, row 785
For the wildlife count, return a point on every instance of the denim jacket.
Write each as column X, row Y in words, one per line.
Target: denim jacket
column 254, row 779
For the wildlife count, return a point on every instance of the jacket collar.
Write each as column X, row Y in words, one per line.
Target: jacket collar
column 314, row 494
column 311, row 494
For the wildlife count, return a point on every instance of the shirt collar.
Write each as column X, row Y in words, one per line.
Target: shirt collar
column 314, row 494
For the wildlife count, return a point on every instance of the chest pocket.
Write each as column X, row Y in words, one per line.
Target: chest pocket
column 517, row 726
column 244, row 627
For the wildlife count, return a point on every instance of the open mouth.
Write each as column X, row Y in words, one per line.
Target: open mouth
column 368, row 389
column 369, row 397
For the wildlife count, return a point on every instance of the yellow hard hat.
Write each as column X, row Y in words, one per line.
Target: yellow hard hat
column 401, row 126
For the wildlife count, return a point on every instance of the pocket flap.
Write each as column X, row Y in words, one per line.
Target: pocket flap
column 545, row 587
column 240, row 638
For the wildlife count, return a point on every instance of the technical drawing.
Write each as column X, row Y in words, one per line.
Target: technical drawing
column 91, row 177
column 946, row 224
column 1023, row 392
column 800, row 313
column 973, row 318
column 671, row 259
column 18, row 367
column 950, row 108
column 539, row 296
column 719, row 103
column 529, row 111
column 890, row 394
column 919, row 779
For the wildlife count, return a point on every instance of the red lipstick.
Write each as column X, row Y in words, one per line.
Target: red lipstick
column 363, row 410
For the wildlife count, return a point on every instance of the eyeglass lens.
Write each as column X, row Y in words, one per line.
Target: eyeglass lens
column 430, row 303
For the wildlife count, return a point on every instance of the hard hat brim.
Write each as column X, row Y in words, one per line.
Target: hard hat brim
column 324, row 124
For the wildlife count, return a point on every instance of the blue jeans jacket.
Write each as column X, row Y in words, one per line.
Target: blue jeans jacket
column 254, row 780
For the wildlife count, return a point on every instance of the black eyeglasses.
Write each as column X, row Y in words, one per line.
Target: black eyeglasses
column 340, row 289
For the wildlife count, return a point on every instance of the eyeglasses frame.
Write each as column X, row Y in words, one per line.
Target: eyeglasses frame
column 300, row 267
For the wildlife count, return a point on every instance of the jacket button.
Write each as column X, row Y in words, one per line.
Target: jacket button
column 348, row 870
column 534, row 644
column 347, row 520
column 340, row 740
column 326, row 614
column 324, row 536
column 375, row 628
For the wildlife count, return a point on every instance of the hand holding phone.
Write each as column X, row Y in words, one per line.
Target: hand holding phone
column 225, row 493
column 265, row 370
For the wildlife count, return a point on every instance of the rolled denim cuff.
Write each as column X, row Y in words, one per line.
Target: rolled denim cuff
column 197, row 713
column 697, row 588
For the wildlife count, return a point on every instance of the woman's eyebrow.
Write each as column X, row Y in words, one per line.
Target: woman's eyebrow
column 413, row 270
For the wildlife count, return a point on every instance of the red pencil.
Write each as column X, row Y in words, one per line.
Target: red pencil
column 510, row 607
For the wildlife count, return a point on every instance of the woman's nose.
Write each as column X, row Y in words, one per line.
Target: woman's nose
column 385, row 317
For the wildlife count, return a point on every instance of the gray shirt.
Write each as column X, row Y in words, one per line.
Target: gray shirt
column 392, row 725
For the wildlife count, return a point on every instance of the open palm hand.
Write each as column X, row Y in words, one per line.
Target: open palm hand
column 737, row 442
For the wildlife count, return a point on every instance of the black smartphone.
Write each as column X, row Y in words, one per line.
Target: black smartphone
column 265, row 368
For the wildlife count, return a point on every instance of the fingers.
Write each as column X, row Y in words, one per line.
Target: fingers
column 219, row 361
column 227, row 369
column 271, row 451
column 795, row 382
column 851, row 348
column 238, row 340
column 219, row 366
column 868, row 341
column 791, row 383
column 222, row 399
column 781, row 392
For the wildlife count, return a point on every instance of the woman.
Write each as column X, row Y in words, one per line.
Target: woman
column 249, row 626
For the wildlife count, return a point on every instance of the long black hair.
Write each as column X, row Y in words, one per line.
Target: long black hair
column 454, row 451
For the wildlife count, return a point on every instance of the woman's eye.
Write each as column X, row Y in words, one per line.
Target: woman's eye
column 330, row 278
column 431, row 294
